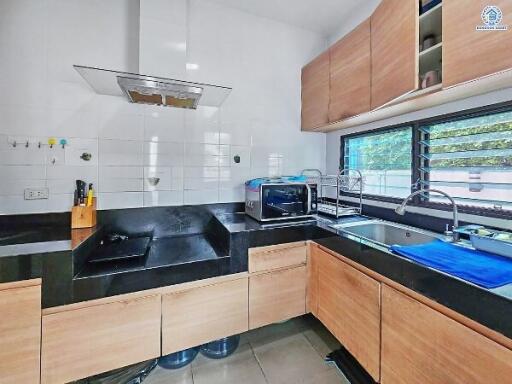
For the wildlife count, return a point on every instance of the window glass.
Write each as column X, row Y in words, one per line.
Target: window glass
column 384, row 159
column 471, row 159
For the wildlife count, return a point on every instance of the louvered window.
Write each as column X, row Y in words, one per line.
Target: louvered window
column 467, row 154
column 469, row 158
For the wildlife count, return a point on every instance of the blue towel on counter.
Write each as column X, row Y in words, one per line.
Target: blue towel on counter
column 481, row 268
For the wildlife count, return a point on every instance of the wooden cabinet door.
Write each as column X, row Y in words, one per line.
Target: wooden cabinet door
column 198, row 315
column 277, row 256
column 395, row 49
column 329, row 291
column 312, row 280
column 469, row 53
column 423, row 346
column 350, row 74
column 315, row 93
column 20, row 335
column 349, row 306
column 277, row 296
column 87, row 341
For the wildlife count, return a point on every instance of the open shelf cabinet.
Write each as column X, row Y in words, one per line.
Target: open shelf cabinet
column 431, row 34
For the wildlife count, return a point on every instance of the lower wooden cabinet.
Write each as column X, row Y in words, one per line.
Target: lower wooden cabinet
column 277, row 256
column 312, row 283
column 87, row 341
column 349, row 306
column 198, row 315
column 20, row 334
column 423, row 346
column 277, row 296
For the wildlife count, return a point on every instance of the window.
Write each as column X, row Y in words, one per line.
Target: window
column 468, row 155
column 471, row 159
column 384, row 159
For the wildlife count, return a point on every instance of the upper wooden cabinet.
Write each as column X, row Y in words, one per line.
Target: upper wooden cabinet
column 349, row 306
column 469, row 53
column 20, row 333
column 350, row 74
column 315, row 93
column 394, row 50
column 423, row 346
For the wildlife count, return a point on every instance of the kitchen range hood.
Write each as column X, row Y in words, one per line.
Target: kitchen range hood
column 154, row 90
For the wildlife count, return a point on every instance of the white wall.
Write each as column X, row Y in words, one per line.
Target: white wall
column 190, row 151
column 363, row 11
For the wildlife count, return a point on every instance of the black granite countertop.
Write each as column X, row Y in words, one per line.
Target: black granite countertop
column 211, row 242
column 492, row 308
column 164, row 252
column 22, row 249
column 39, row 234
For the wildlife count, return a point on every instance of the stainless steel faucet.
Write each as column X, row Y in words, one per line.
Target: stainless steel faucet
column 400, row 210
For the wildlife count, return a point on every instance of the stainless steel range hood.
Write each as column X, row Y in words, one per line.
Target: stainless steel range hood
column 153, row 90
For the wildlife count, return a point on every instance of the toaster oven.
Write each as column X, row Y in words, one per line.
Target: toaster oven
column 280, row 199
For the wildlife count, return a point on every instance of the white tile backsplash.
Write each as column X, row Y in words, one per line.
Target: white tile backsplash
column 164, row 124
column 158, row 179
column 191, row 151
column 22, row 172
column 17, row 187
column 201, row 196
column 120, row 153
column 158, row 198
column 121, row 126
column 121, row 172
column 118, row 200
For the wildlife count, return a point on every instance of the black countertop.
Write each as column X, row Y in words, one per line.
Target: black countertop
column 492, row 308
column 164, row 252
column 22, row 249
column 41, row 234
column 219, row 246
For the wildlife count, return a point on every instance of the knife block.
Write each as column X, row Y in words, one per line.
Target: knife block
column 84, row 217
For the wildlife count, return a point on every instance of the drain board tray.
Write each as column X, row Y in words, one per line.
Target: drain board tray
column 343, row 210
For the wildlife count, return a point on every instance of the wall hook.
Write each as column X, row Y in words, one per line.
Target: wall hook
column 63, row 142
column 26, row 144
column 52, row 141
column 14, row 144
column 39, row 145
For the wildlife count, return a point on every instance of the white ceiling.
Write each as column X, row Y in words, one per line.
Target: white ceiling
column 323, row 16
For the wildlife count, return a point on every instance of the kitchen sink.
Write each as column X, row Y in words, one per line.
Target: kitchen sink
column 386, row 233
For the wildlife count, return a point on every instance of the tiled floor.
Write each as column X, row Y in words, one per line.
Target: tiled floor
column 286, row 353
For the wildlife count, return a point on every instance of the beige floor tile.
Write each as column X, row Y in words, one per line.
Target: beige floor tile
column 239, row 368
column 321, row 339
column 290, row 359
column 170, row 376
column 274, row 332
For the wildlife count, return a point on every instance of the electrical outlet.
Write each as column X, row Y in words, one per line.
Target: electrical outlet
column 37, row 193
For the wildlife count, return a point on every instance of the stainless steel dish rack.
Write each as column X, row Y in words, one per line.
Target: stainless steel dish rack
column 346, row 181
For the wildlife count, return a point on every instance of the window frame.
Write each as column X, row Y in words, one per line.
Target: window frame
column 416, row 160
